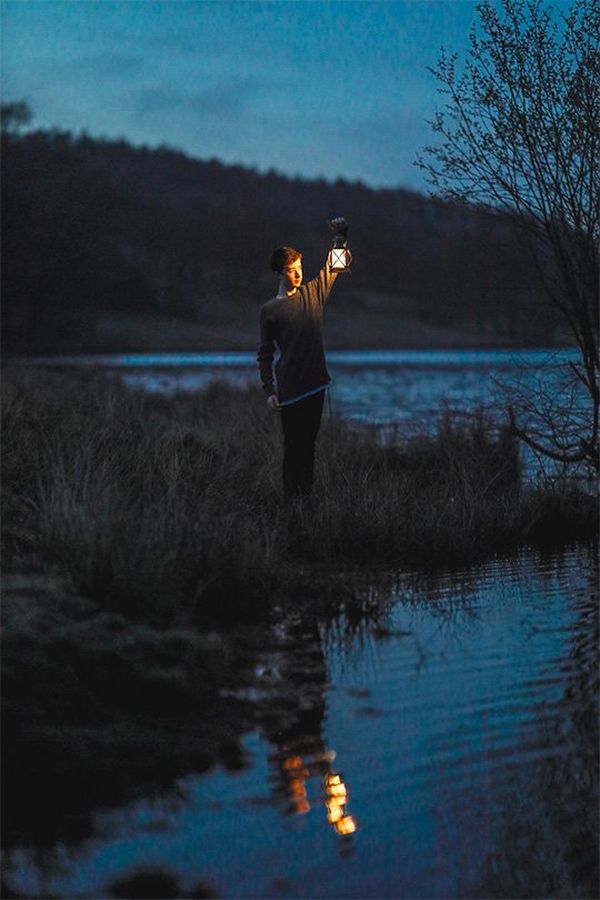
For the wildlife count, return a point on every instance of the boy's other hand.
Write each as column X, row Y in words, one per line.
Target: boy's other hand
column 273, row 402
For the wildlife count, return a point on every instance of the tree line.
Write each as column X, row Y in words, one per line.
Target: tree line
column 93, row 225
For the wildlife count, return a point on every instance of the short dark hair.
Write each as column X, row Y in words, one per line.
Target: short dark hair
column 282, row 257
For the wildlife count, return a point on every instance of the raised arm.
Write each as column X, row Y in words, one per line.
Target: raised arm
column 318, row 288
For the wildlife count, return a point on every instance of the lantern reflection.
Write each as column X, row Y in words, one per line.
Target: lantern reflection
column 346, row 825
column 296, row 774
column 335, row 801
column 335, row 787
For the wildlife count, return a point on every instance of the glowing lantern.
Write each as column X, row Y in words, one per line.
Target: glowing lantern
column 340, row 256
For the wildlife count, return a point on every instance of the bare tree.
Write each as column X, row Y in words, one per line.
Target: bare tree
column 520, row 133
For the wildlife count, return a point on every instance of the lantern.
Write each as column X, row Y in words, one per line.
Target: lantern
column 340, row 257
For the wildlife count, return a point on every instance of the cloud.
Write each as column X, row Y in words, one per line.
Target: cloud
column 223, row 99
column 108, row 65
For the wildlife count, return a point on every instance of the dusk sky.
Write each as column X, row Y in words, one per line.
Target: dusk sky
column 332, row 89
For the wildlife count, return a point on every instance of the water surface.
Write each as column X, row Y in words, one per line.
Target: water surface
column 391, row 387
column 446, row 750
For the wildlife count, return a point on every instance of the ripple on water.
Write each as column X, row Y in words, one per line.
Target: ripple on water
column 454, row 744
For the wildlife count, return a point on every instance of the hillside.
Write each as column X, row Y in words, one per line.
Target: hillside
column 108, row 247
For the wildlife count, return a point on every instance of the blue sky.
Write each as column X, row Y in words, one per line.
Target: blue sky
column 307, row 88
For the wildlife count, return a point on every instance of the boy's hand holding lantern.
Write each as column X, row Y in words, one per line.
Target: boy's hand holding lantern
column 340, row 256
column 339, row 226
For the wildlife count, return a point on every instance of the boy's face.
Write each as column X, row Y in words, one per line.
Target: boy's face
column 292, row 275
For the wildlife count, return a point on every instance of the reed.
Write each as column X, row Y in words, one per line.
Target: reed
column 169, row 509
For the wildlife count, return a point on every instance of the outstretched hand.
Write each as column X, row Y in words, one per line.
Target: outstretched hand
column 339, row 225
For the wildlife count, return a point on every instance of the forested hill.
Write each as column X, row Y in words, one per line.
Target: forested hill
column 110, row 247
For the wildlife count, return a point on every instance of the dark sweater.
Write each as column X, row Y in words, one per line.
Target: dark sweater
column 294, row 326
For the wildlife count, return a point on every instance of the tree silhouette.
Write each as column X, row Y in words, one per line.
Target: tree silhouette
column 14, row 116
column 520, row 133
column 108, row 247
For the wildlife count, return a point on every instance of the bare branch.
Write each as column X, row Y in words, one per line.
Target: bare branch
column 520, row 132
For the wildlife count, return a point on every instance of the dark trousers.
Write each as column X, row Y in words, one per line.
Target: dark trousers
column 300, row 423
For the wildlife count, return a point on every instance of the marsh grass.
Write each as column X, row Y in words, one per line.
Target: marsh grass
column 169, row 509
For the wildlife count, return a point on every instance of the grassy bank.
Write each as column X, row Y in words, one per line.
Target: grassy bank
column 169, row 510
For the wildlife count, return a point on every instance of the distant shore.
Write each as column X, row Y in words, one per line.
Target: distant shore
column 112, row 332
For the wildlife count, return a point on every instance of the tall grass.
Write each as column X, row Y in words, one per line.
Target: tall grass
column 435, row 500
column 169, row 509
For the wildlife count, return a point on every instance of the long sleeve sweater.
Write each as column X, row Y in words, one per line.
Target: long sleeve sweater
column 293, row 325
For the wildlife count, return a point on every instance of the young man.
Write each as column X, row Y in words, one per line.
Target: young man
column 292, row 323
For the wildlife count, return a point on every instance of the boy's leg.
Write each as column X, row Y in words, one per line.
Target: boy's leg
column 300, row 424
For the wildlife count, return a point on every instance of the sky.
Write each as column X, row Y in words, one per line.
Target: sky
column 309, row 88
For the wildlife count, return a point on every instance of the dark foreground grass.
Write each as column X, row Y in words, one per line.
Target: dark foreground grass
column 169, row 510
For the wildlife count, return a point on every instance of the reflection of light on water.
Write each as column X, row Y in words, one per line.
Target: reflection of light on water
column 336, row 788
column 296, row 782
column 336, row 792
column 456, row 787
column 336, row 799
column 346, row 825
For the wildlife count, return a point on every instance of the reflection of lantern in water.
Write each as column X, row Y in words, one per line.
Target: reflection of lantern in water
column 297, row 775
column 335, row 801
column 336, row 787
column 345, row 825
column 334, row 811
column 293, row 762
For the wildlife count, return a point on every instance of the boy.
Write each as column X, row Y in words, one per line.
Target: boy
column 292, row 323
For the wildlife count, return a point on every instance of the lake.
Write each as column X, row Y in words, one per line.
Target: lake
column 448, row 750
column 397, row 392
column 391, row 387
